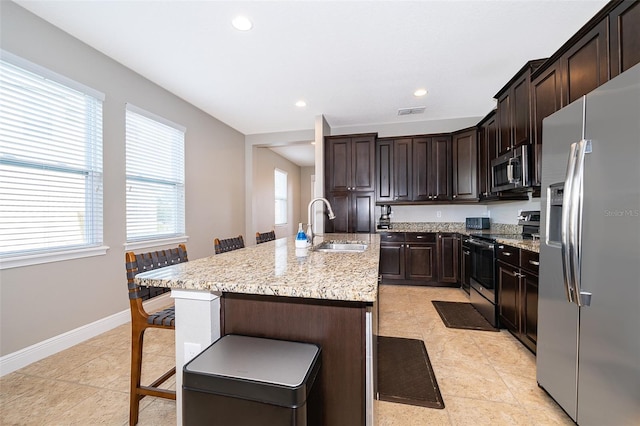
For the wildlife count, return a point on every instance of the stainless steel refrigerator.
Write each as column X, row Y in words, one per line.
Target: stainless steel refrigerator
column 588, row 355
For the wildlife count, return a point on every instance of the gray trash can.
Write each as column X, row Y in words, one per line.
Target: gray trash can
column 242, row 380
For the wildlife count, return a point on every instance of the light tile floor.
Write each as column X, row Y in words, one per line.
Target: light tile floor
column 485, row 378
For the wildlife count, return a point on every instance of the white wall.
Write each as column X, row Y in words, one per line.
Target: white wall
column 264, row 193
column 305, row 190
column 436, row 213
column 43, row 301
column 507, row 212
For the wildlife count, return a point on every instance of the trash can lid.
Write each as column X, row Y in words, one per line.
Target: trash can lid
column 256, row 359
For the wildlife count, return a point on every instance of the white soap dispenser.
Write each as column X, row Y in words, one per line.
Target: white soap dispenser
column 301, row 237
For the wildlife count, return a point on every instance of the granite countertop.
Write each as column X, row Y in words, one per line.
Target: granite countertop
column 459, row 227
column 275, row 268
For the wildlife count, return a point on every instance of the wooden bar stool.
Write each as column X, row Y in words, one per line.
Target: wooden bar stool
column 141, row 320
column 229, row 244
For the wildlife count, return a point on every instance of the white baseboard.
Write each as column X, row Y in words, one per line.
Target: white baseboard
column 19, row 359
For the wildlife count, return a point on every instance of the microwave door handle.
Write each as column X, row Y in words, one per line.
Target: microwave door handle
column 582, row 298
column 565, row 228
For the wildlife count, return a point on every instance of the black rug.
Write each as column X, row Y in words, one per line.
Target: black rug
column 462, row 315
column 405, row 374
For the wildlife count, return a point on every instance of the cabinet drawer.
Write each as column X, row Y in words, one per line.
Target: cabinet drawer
column 508, row 254
column 530, row 261
column 420, row 237
column 391, row 237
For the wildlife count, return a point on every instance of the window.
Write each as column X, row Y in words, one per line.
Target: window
column 50, row 165
column 155, row 177
column 281, row 196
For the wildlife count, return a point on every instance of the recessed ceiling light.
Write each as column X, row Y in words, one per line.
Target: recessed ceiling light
column 420, row 92
column 241, row 23
column 301, row 104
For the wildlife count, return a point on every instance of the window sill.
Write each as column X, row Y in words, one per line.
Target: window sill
column 137, row 245
column 49, row 257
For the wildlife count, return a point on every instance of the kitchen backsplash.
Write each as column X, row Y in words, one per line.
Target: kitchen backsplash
column 500, row 213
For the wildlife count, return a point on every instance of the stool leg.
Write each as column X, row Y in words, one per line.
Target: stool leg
column 137, row 335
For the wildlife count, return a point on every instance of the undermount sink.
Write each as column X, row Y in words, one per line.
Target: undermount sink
column 341, row 247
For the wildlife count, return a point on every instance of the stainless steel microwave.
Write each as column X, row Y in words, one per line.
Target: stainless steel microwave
column 511, row 170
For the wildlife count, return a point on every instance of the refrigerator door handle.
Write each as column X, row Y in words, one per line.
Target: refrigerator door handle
column 582, row 298
column 565, row 237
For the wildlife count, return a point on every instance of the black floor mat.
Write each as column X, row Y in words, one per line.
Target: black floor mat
column 405, row 374
column 462, row 315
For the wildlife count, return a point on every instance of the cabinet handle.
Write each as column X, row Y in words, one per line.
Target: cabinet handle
column 467, row 252
column 500, row 247
column 407, row 246
column 455, row 196
column 534, row 263
column 520, row 275
column 506, row 253
column 419, row 236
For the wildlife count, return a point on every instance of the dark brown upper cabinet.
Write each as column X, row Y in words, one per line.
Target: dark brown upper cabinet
column 546, row 98
column 624, row 47
column 514, row 109
column 413, row 169
column 487, row 147
column 350, row 163
column 350, row 181
column 585, row 65
column 465, row 165
column 432, row 168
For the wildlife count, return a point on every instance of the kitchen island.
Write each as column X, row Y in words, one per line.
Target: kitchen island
column 275, row 290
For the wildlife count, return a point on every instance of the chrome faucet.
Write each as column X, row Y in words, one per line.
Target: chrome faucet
column 310, row 226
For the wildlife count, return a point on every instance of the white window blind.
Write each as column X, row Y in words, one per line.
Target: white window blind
column 281, row 190
column 155, row 176
column 50, row 161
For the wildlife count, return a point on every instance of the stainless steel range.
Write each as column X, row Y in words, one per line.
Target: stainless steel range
column 483, row 293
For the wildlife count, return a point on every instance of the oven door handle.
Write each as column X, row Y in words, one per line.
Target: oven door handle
column 488, row 246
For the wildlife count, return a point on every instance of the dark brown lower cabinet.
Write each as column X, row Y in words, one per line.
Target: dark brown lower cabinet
column 448, row 255
column 421, row 262
column 419, row 258
column 392, row 263
column 518, row 296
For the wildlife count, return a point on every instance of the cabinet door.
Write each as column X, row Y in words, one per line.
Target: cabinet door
column 421, row 156
column 504, row 124
column 338, row 164
column 529, row 314
column 392, row 261
column 508, row 295
column 520, row 109
column 546, row 93
column 465, row 166
column 448, row 254
column 585, row 65
column 384, row 166
column 363, row 164
column 440, row 168
column 341, row 204
column 625, row 42
column 488, row 151
column 362, row 215
column 402, row 169
column 421, row 262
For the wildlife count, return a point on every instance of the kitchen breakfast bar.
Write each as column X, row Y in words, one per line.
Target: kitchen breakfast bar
column 275, row 290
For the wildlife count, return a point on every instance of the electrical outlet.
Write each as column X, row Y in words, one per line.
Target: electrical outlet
column 191, row 350
column 438, row 213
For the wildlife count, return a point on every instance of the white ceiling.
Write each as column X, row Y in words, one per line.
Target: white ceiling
column 355, row 62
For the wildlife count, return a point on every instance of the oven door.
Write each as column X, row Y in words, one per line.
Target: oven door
column 483, row 268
